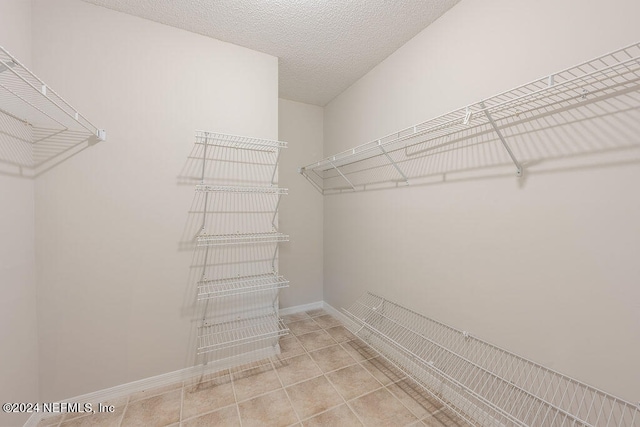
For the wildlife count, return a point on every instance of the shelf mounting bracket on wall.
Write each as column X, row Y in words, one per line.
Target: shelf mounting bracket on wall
column 502, row 139
column 392, row 162
column 39, row 128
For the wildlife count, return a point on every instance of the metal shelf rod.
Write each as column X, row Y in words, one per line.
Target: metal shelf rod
column 239, row 239
column 239, row 142
column 240, row 285
column 240, row 189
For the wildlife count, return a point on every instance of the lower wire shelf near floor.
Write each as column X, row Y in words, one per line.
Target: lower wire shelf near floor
column 484, row 384
column 218, row 288
column 230, row 334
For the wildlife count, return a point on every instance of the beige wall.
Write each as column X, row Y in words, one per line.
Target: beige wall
column 114, row 300
column 301, row 211
column 18, row 318
column 546, row 266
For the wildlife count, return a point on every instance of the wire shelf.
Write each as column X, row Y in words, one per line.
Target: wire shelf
column 484, row 384
column 238, row 332
column 206, row 188
column 609, row 75
column 240, row 285
column 237, row 141
column 240, row 239
column 53, row 125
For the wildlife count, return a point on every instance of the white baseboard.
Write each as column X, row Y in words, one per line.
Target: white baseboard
column 184, row 374
column 161, row 380
column 298, row 308
column 336, row 313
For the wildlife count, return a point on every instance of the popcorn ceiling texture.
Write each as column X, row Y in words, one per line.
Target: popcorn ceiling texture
column 323, row 46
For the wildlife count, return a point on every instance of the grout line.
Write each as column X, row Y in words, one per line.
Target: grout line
column 285, row 391
column 235, row 395
column 325, row 411
column 182, row 391
column 124, row 412
column 335, row 389
column 205, row 413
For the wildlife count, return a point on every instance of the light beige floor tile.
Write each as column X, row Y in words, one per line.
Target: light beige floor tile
column 383, row 370
column 340, row 334
column 415, row 398
column 50, row 421
column 294, row 317
column 271, row 409
column 296, row 369
column 359, row 350
column 303, row 327
column 316, row 340
column 317, row 312
column 207, row 396
column 256, row 364
column 256, row 381
column 313, row 396
column 118, row 403
column 155, row 411
column 326, row 321
column 332, row 358
column 225, row 417
column 341, row 416
column 68, row 416
column 290, row 346
column 444, row 418
column 156, row 391
column 353, row 381
column 380, row 408
column 104, row 419
column 203, row 378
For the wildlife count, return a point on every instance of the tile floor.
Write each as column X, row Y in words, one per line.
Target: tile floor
column 323, row 377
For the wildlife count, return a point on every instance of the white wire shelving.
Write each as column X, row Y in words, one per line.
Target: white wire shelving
column 238, row 332
column 32, row 113
column 208, row 188
column 397, row 157
column 241, row 239
column 246, row 160
column 484, row 384
column 240, row 285
column 237, row 141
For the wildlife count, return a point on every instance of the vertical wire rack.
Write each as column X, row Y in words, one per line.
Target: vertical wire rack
column 400, row 158
column 250, row 323
column 38, row 124
column 483, row 384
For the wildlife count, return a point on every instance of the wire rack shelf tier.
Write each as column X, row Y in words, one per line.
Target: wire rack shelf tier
column 609, row 75
column 244, row 331
column 241, row 239
column 54, row 126
column 237, row 141
column 207, row 188
column 240, row 285
column 484, row 384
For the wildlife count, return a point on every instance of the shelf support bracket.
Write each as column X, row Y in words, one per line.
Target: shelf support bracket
column 275, row 213
column 502, row 139
column 342, row 175
column 393, row 163
column 273, row 260
column 275, row 168
column 303, row 172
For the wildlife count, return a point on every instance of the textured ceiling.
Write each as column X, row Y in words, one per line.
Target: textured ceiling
column 323, row 46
